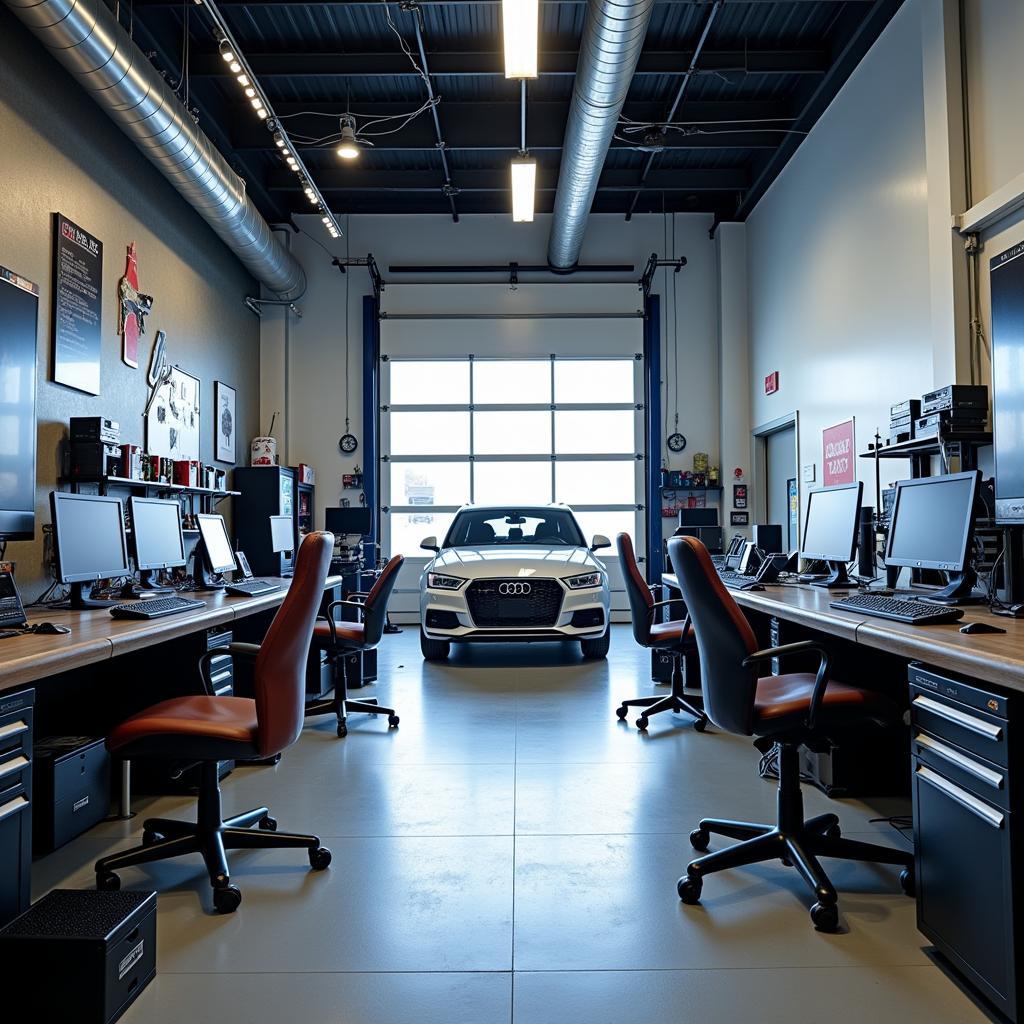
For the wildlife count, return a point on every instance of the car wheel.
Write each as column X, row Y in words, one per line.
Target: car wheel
column 434, row 650
column 595, row 649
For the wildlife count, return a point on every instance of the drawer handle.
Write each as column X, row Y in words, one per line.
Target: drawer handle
column 979, row 771
column 978, row 725
column 13, row 765
column 19, row 803
column 13, row 729
column 977, row 807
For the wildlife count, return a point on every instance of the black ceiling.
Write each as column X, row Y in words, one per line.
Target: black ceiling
column 765, row 73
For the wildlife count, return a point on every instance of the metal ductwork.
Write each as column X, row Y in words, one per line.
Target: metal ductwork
column 613, row 36
column 87, row 39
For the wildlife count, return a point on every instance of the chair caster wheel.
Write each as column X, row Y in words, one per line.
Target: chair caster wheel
column 908, row 882
column 642, row 723
column 699, row 839
column 267, row 824
column 622, row 712
column 320, row 858
column 393, row 720
column 825, row 917
column 108, row 882
column 342, row 729
column 227, row 899
column 700, row 724
column 689, row 889
column 149, row 837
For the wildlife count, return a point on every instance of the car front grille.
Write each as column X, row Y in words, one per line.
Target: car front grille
column 489, row 607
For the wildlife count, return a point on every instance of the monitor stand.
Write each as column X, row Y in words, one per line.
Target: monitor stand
column 147, row 585
column 81, row 599
column 838, row 579
column 959, row 591
column 204, row 579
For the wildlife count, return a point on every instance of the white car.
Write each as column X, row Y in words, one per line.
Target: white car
column 513, row 574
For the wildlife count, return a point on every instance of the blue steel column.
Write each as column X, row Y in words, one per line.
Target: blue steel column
column 652, row 435
column 371, row 410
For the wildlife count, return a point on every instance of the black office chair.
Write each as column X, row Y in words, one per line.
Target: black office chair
column 783, row 712
column 340, row 639
column 675, row 637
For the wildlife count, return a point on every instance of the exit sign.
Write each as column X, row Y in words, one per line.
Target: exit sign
column 771, row 383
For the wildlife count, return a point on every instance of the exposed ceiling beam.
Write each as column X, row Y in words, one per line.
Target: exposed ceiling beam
column 301, row 63
column 472, row 3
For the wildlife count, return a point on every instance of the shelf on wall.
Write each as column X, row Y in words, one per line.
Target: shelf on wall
column 927, row 445
column 123, row 481
column 680, row 487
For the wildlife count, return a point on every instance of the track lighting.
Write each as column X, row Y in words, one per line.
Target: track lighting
column 519, row 21
column 524, row 184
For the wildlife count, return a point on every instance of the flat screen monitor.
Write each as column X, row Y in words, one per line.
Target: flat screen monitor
column 830, row 527
column 1007, row 283
column 89, row 542
column 157, row 540
column 932, row 522
column 282, row 537
column 698, row 517
column 349, row 521
column 19, row 311
column 214, row 534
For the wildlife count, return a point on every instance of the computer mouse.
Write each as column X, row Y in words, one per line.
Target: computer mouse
column 980, row 627
column 51, row 628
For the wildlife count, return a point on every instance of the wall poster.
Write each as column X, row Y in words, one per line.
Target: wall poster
column 77, row 306
column 172, row 424
column 224, row 420
column 837, row 444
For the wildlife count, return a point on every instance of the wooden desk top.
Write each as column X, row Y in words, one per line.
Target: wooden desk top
column 96, row 636
column 996, row 658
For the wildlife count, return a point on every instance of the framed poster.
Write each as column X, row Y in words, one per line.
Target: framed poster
column 739, row 518
column 172, row 426
column 77, row 306
column 837, row 445
column 224, row 421
column 739, row 495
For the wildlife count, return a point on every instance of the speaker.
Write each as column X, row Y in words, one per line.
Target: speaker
column 866, row 542
column 768, row 537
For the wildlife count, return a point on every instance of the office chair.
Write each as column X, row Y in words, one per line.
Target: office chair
column 208, row 729
column 341, row 639
column 783, row 712
column 675, row 636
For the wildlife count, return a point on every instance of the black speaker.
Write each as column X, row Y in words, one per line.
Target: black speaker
column 768, row 538
column 866, row 542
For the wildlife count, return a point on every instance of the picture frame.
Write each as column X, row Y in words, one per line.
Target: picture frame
column 225, row 422
column 739, row 495
column 739, row 518
column 172, row 426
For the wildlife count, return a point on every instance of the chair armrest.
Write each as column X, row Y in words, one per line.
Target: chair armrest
column 800, row 647
column 331, row 625
column 235, row 650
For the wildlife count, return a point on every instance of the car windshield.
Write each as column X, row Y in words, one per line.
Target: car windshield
column 550, row 527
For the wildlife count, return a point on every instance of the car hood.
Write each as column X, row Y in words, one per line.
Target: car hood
column 526, row 562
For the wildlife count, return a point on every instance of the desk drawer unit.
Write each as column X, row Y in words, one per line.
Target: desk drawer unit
column 15, row 802
column 965, row 824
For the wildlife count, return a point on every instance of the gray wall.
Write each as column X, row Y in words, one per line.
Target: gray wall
column 59, row 152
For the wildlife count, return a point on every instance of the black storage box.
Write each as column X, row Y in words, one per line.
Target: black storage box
column 15, row 802
column 72, row 789
column 95, row 951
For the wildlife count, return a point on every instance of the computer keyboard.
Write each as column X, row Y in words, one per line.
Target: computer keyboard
column 155, row 608
column 914, row 612
column 735, row 580
column 253, row 587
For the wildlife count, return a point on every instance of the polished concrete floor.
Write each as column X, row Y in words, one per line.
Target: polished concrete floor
column 510, row 853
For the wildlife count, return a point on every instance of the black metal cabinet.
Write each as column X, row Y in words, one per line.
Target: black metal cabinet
column 15, row 803
column 266, row 491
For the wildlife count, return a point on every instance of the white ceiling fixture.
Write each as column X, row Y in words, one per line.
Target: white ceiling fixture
column 524, row 188
column 519, row 26
column 348, row 147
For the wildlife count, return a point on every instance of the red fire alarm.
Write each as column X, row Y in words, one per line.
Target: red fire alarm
column 771, row 383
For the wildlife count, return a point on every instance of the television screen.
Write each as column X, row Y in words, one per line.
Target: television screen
column 1007, row 276
column 19, row 308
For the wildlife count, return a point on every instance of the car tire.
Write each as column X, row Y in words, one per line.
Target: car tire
column 434, row 650
column 593, row 650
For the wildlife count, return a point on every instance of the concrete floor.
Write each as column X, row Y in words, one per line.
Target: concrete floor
column 510, row 853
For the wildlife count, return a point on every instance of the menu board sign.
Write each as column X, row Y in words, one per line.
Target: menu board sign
column 77, row 306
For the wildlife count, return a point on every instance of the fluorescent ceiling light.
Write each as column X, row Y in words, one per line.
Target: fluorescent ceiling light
column 519, row 28
column 524, row 183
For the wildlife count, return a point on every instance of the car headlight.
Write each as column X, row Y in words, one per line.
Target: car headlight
column 438, row 581
column 584, row 582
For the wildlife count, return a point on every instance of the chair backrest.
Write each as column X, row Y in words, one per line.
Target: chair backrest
column 280, row 673
column 641, row 600
column 724, row 637
column 376, row 604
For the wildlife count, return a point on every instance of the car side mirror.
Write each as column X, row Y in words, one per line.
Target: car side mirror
column 429, row 544
column 600, row 541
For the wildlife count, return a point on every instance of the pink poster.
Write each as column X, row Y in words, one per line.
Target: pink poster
column 837, row 454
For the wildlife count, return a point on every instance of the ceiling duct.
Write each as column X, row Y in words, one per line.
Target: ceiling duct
column 613, row 36
column 86, row 38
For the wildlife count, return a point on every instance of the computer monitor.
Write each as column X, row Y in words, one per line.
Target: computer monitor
column 89, row 543
column 698, row 516
column 282, row 538
column 349, row 521
column 830, row 531
column 932, row 527
column 213, row 552
column 157, row 541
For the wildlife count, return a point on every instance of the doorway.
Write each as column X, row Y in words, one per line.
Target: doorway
column 776, row 457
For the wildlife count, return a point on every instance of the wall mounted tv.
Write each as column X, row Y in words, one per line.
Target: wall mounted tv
column 1007, row 277
column 19, row 311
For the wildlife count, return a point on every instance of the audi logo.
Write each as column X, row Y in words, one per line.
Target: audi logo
column 514, row 589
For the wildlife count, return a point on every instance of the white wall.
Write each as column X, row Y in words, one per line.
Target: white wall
column 303, row 376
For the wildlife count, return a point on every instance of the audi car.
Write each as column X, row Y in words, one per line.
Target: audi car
column 512, row 574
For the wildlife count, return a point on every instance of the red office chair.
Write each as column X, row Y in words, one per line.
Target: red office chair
column 783, row 712
column 676, row 637
column 209, row 729
column 340, row 639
